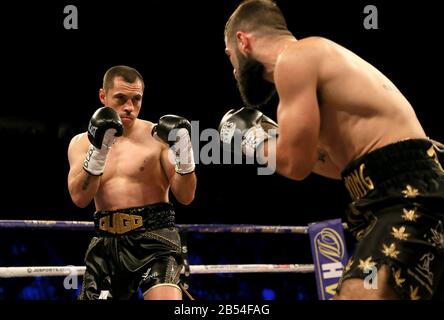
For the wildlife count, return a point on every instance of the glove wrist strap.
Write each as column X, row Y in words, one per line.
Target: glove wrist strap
column 183, row 153
column 95, row 160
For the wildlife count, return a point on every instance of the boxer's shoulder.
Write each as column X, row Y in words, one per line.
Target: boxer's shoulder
column 80, row 138
column 144, row 125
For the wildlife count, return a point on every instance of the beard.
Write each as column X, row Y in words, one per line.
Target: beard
column 254, row 89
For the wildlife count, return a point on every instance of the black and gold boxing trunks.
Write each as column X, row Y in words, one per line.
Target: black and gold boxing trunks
column 134, row 248
column 397, row 216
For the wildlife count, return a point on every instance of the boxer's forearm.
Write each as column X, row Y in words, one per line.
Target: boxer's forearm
column 83, row 187
column 184, row 187
column 287, row 161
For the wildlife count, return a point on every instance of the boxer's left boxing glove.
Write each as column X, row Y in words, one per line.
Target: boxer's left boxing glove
column 105, row 125
column 251, row 125
column 176, row 132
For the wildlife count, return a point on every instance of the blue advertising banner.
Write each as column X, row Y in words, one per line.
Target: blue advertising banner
column 329, row 255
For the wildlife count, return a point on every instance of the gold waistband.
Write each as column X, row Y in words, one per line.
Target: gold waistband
column 358, row 182
column 120, row 223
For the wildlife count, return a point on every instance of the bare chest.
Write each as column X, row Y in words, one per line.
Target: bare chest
column 132, row 159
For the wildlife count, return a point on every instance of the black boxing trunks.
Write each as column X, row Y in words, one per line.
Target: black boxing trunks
column 134, row 248
column 397, row 216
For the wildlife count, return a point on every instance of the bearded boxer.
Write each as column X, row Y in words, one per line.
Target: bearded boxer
column 127, row 166
column 342, row 118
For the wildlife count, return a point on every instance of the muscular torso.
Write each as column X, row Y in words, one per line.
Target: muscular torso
column 360, row 109
column 134, row 174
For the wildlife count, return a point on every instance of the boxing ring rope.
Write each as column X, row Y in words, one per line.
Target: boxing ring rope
column 56, row 271
column 34, row 271
column 202, row 228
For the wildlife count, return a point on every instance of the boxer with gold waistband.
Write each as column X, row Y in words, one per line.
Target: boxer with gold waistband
column 340, row 117
column 127, row 166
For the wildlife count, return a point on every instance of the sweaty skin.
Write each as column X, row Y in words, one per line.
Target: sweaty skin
column 333, row 106
column 137, row 171
column 132, row 162
column 360, row 108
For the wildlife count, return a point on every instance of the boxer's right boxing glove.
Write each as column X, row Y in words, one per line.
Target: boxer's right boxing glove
column 105, row 125
column 178, row 128
column 250, row 125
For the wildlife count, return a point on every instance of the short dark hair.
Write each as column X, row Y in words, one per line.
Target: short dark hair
column 129, row 74
column 256, row 15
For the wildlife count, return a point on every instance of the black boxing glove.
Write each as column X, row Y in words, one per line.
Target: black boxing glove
column 176, row 132
column 105, row 125
column 251, row 125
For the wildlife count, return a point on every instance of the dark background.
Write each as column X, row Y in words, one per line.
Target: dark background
column 51, row 77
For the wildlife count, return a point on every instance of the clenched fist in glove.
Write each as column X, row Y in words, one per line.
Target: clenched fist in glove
column 105, row 125
column 176, row 132
column 251, row 125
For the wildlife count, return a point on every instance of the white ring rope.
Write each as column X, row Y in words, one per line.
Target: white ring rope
column 54, row 271
column 19, row 272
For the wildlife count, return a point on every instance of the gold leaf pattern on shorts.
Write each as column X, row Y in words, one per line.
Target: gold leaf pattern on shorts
column 390, row 251
column 414, row 293
column 400, row 233
column 397, row 275
column 410, row 192
column 410, row 215
column 366, row 264
column 348, row 265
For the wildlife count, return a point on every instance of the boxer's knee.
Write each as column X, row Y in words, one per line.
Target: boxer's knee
column 163, row 291
column 359, row 289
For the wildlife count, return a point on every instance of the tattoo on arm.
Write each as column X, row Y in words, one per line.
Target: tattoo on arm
column 321, row 156
column 86, row 182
